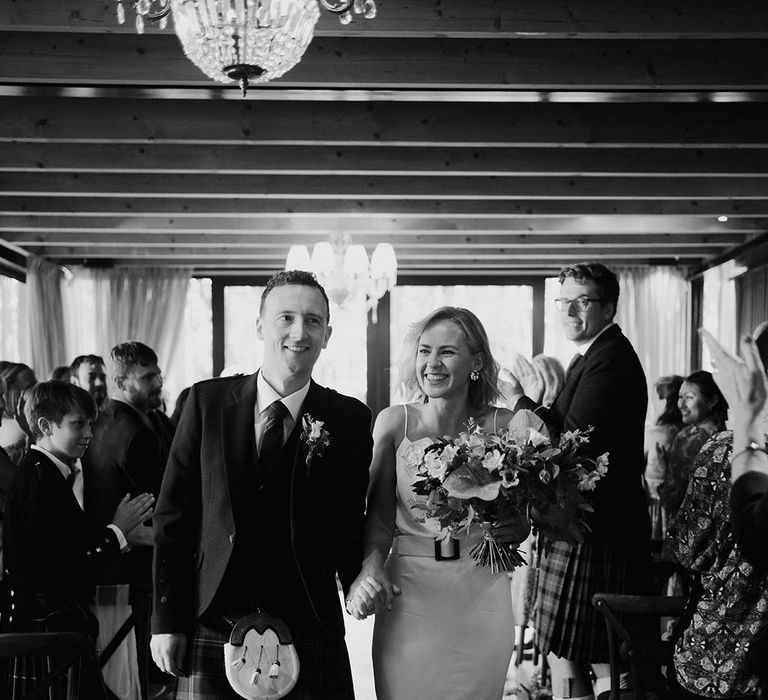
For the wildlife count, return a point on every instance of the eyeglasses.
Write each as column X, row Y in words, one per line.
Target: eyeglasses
column 579, row 303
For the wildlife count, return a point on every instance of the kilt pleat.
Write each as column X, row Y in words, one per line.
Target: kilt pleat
column 566, row 624
column 324, row 669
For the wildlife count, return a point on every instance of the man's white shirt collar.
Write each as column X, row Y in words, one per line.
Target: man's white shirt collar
column 265, row 395
column 582, row 349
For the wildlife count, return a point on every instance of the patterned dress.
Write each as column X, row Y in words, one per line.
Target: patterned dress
column 710, row 655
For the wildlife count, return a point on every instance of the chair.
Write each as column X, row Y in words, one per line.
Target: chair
column 72, row 654
column 646, row 656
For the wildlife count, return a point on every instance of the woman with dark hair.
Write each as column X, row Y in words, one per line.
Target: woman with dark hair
column 730, row 599
column 704, row 410
column 658, row 439
column 13, row 438
column 449, row 635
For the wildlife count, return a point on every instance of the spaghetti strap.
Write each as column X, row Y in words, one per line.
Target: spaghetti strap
column 405, row 424
column 495, row 415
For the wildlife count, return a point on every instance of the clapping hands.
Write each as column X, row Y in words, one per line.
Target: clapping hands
column 522, row 378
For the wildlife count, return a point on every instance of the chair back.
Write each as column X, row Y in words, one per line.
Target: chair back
column 646, row 655
column 67, row 654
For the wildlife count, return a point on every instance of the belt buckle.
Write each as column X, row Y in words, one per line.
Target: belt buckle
column 439, row 556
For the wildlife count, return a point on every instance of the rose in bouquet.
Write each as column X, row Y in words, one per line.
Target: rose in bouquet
column 519, row 472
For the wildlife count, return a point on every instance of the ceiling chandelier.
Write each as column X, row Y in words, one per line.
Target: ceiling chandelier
column 345, row 272
column 244, row 41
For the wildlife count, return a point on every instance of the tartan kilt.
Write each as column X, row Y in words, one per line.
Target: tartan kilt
column 324, row 671
column 566, row 623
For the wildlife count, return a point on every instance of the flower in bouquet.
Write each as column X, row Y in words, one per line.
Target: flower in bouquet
column 509, row 477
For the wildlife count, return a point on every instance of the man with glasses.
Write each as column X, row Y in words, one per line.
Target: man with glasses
column 605, row 389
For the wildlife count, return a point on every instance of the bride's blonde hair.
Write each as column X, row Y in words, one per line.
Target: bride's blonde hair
column 484, row 391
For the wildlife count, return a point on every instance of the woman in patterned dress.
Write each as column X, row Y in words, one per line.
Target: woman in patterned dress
column 730, row 603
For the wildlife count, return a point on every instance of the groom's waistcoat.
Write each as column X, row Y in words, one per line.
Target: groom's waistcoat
column 262, row 570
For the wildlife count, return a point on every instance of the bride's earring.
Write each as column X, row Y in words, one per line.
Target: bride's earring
column 474, row 375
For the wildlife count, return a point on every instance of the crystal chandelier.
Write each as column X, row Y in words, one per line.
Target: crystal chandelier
column 345, row 272
column 243, row 40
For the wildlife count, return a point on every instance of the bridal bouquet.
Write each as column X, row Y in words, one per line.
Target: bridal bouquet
column 484, row 478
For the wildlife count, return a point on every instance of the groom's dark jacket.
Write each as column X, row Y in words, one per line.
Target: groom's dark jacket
column 224, row 526
column 607, row 390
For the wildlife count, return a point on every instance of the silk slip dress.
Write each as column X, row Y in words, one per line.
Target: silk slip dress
column 451, row 632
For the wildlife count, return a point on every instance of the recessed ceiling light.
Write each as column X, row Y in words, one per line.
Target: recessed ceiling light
column 722, row 219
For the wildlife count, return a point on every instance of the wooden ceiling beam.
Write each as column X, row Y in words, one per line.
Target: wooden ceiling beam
column 277, row 257
column 382, row 160
column 381, row 187
column 135, row 206
column 690, row 125
column 371, row 63
column 549, row 18
column 299, row 227
column 402, row 242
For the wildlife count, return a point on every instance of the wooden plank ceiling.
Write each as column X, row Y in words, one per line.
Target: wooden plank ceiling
column 486, row 137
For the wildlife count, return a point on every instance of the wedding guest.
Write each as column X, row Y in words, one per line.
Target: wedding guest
column 179, row 406
column 252, row 513
column 8, row 470
column 703, row 409
column 13, row 438
column 437, row 640
column 730, row 604
column 126, row 456
column 89, row 372
column 658, row 440
column 744, row 382
column 60, row 374
column 51, row 554
column 605, row 389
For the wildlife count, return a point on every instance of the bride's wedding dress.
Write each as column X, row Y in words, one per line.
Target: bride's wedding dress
column 451, row 632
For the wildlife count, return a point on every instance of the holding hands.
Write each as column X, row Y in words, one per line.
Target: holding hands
column 370, row 590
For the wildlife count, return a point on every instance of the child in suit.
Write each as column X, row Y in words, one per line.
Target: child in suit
column 51, row 555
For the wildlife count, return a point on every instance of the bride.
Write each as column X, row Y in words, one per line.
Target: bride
column 444, row 626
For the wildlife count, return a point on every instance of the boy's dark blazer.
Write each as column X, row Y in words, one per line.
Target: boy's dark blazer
column 51, row 555
column 211, row 453
column 607, row 390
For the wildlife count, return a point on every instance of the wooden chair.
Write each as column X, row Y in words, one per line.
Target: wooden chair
column 72, row 655
column 646, row 656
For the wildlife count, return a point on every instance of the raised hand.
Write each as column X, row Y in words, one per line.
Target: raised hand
column 141, row 535
column 132, row 511
column 742, row 380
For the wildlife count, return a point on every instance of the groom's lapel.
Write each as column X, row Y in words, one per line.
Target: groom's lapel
column 238, row 431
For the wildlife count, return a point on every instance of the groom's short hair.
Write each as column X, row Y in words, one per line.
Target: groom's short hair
column 301, row 277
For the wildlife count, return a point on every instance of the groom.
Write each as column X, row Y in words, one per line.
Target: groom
column 245, row 520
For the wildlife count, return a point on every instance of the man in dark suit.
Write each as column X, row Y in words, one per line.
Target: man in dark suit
column 89, row 372
column 253, row 513
column 604, row 388
column 127, row 456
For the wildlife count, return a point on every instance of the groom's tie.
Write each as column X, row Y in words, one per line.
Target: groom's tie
column 272, row 439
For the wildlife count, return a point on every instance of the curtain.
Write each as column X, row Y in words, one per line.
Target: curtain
column 652, row 312
column 752, row 293
column 719, row 307
column 107, row 307
column 45, row 316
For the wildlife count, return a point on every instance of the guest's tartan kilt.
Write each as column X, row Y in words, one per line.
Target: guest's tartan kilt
column 568, row 576
column 324, row 671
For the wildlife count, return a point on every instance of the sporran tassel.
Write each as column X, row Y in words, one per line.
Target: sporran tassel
column 237, row 664
column 255, row 675
column 274, row 670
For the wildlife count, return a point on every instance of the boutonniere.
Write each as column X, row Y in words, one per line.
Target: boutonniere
column 315, row 437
